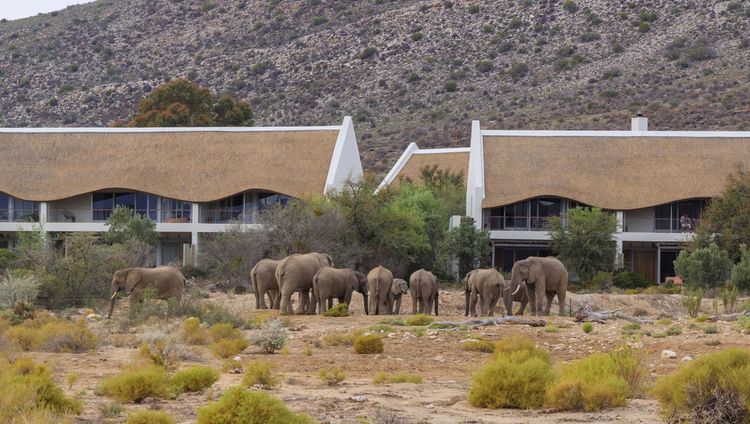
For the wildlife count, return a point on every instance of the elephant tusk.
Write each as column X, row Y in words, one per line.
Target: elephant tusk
column 517, row 289
column 113, row 296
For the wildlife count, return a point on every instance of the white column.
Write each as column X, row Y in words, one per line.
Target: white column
column 619, row 259
column 43, row 212
column 195, row 218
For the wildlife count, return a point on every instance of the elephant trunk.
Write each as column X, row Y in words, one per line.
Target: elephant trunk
column 112, row 301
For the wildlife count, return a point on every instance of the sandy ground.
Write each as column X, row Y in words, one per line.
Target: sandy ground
column 435, row 355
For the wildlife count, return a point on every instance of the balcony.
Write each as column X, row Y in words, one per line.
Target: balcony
column 19, row 215
column 507, row 223
column 165, row 216
column 225, row 216
column 659, row 225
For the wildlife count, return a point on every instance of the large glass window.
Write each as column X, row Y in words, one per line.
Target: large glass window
column 226, row 210
column 173, row 211
column 4, row 207
column 529, row 215
column 102, row 206
column 267, row 200
column 678, row 216
column 104, row 202
column 25, row 211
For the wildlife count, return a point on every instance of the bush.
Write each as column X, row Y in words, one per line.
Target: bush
column 110, row 409
column 385, row 378
column 570, row 6
column 340, row 310
column 193, row 333
column 598, row 381
column 419, row 319
column 240, row 405
column 517, row 377
column 16, row 288
column 484, row 66
column 260, row 373
column 271, row 336
column 54, row 336
column 742, row 325
column 587, row 327
column 223, row 331
column 367, row 53
column 341, row 339
column 224, row 348
column 729, row 297
column 331, row 376
column 371, row 343
column 450, row 86
column 136, row 384
column 705, row 267
column 711, row 388
column 519, row 70
column 163, row 349
column 473, row 9
column 478, row 346
column 29, row 394
column 630, row 280
column 194, row 379
column 691, row 300
column 150, row 417
column 740, row 276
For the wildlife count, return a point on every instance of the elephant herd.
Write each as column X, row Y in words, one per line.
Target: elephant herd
column 314, row 277
column 532, row 280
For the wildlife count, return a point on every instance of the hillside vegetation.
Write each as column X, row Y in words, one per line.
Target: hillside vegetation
column 406, row 70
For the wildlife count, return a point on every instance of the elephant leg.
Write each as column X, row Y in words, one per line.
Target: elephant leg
column 523, row 307
column 303, row 299
column 548, row 306
column 561, row 301
column 324, row 304
column 373, row 301
column 285, row 304
column 258, row 297
column 491, row 309
column 397, row 306
column 532, row 299
column 384, row 307
column 473, row 303
column 428, row 305
column 414, row 307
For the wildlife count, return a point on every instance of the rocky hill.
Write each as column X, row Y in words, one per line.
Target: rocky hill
column 406, row 70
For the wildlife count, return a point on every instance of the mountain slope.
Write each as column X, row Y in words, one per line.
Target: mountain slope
column 406, row 70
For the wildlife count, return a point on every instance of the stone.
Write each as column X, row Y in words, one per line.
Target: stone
column 668, row 354
column 686, row 358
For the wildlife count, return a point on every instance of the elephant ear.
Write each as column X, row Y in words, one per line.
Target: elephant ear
column 535, row 270
column 328, row 259
column 132, row 280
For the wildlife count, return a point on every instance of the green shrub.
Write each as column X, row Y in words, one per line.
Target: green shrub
column 110, row 409
column 473, row 9
column 729, row 297
column 742, row 325
column 150, row 417
column 703, row 268
column 194, row 379
column 29, row 394
column 385, row 378
column 478, row 346
column 570, row 6
column 517, row 377
column 740, row 276
column 367, row 344
column 587, row 327
column 340, row 310
column 381, row 328
column 674, row 331
column 710, row 329
column 331, row 376
column 691, row 300
column 419, row 319
column 367, row 53
column 240, row 405
column 223, row 331
column 224, row 348
column 630, row 280
column 271, row 336
column 519, row 70
column 341, row 339
column 393, row 321
column 136, row 384
column 260, row 373
column 644, row 27
column 450, row 86
column 484, row 66
column 599, row 381
column 711, row 388
column 193, row 333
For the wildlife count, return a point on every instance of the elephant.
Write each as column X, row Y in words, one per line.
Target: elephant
column 398, row 288
column 543, row 277
column 331, row 283
column 522, row 298
column 263, row 281
column 295, row 273
column 379, row 284
column 166, row 280
column 423, row 286
column 487, row 286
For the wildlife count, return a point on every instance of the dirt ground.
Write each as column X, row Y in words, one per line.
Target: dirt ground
column 435, row 355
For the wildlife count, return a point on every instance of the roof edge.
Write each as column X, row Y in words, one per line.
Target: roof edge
column 398, row 166
column 64, row 130
column 579, row 133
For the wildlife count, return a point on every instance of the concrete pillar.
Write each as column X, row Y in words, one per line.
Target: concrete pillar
column 194, row 239
column 43, row 217
column 619, row 260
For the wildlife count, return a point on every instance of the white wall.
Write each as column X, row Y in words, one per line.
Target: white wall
column 639, row 220
column 345, row 161
column 475, row 179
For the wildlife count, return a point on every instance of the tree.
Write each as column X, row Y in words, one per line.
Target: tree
column 726, row 221
column 448, row 187
column 704, row 267
column 469, row 245
column 741, row 271
column 127, row 225
column 586, row 244
column 231, row 255
column 182, row 103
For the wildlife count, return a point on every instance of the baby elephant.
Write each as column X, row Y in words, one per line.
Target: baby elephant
column 424, row 291
column 487, row 286
column 330, row 283
column 398, row 288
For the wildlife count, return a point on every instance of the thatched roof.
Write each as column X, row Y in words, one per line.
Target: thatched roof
column 455, row 162
column 616, row 171
column 196, row 165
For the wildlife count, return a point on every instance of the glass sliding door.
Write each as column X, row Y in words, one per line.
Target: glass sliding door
column 102, row 206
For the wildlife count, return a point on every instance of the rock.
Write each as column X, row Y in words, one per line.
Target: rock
column 686, row 358
column 668, row 354
column 635, row 345
column 358, row 399
column 237, row 358
column 93, row 317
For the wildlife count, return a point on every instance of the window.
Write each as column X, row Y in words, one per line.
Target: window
column 4, row 207
column 102, row 206
column 678, row 216
column 147, row 205
column 267, row 200
column 25, row 211
column 103, row 203
column 226, row 210
column 173, row 211
column 529, row 215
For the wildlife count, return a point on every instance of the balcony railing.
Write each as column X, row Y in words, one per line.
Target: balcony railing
column 101, row 215
column 659, row 225
column 222, row 216
column 506, row 223
column 19, row 215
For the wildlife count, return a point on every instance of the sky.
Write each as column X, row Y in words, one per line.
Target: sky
column 16, row 9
